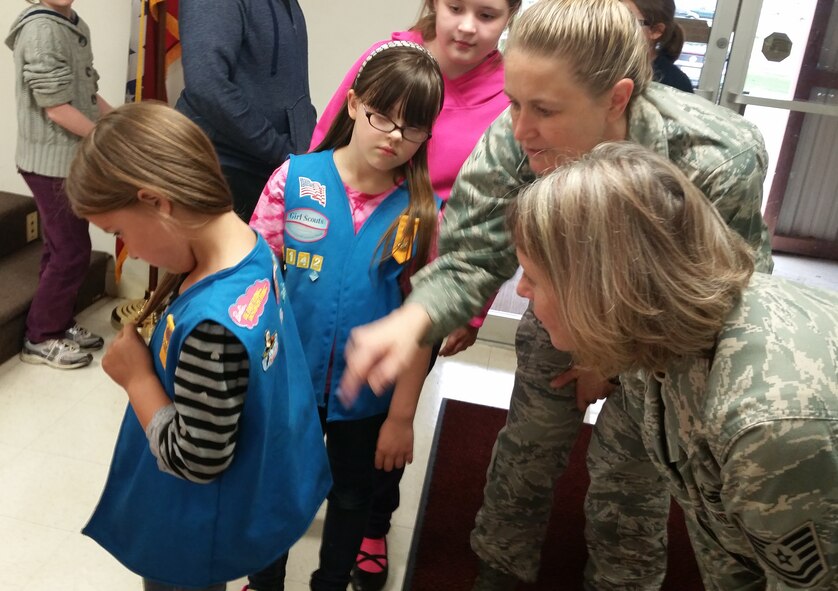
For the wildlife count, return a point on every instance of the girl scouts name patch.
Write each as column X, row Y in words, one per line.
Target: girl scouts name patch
column 306, row 225
column 250, row 305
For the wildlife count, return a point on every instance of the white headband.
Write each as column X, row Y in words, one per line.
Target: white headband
column 389, row 45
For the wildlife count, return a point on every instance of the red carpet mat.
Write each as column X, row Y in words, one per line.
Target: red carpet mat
column 440, row 557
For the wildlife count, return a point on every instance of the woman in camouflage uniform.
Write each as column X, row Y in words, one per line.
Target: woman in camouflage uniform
column 730, row 380
column 577, row 74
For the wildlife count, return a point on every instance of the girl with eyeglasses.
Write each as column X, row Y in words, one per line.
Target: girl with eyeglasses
column 352, row 221
column 463, row 36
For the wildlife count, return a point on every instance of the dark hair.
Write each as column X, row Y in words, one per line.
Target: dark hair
column 663, row 12
column 405, row 75
column 426, row 25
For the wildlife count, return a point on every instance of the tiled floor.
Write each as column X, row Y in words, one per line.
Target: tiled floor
column 56, row 436
column 57, row 431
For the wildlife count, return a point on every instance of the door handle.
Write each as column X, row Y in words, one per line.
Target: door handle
column 799, row 106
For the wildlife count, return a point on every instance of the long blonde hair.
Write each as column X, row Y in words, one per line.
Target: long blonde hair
column 643, row 267
column 599, row 39
column 147, row 146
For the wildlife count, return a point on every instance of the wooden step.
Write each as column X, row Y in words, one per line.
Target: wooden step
column 18, row 221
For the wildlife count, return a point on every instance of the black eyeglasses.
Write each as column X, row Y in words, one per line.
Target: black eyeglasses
column 387, row 125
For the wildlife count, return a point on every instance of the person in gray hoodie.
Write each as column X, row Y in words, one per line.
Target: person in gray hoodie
column 245, row 65
column 57, row 104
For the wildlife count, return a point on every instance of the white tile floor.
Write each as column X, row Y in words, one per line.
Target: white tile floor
column 57, row 431
column 56, row 436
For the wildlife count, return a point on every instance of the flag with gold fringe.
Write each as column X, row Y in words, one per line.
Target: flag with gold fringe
column 144, row 67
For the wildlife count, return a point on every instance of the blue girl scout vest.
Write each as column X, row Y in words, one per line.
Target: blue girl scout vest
column 335, row 277
column 182, row 533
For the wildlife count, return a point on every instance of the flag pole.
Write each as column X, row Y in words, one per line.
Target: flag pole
column 129, row 311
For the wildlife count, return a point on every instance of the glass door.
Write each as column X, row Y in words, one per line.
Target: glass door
column 783, row 75
column 776, row 62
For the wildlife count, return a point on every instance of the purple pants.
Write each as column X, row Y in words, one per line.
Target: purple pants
column 64, row 262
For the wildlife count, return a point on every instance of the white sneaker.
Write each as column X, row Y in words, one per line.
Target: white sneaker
column 57, row 353
column 84, row 338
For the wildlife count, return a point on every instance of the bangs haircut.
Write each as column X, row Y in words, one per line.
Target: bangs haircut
column 407, row 79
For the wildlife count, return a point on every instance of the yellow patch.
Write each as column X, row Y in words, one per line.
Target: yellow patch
column 167, row 336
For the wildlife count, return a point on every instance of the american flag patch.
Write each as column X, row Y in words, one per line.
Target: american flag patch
column 313, row 189
column 795, row 557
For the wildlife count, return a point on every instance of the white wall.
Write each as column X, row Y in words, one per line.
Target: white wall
column 338, row 31
column 110, row 25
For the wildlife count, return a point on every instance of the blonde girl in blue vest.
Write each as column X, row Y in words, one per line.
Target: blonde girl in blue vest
column 220, row 465
column 352, row 221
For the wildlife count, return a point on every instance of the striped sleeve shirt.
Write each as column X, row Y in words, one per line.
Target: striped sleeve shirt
column 195, row 437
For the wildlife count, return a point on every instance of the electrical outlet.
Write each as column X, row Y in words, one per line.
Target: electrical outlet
column 32, row 226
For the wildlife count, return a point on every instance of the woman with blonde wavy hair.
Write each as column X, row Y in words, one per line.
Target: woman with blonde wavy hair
column 577, row 74
column 731, row 389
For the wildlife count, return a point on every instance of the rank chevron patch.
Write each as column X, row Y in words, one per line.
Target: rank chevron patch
column 795, row 557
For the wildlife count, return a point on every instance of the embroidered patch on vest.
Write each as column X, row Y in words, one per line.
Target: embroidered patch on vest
column 795, row 557
column 405, row 234
column 316, row 263
column 250, row 305
column 303, row 259
column 306, row 225
column 167, row 337
column 276, row 280
column 313, row 189
column 271, row 348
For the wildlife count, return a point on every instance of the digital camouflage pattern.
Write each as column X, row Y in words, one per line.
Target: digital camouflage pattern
column 530, row 453
column 720, row 152
column 745, row 439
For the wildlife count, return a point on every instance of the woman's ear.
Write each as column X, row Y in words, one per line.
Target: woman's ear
column 352, row 104
column 620, row 97
column 158, row 202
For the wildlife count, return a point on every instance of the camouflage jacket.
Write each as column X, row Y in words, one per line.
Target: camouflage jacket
column 722, row 153
column 747, row 439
